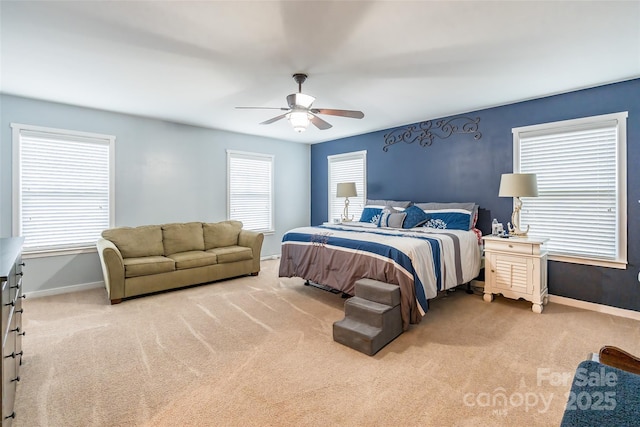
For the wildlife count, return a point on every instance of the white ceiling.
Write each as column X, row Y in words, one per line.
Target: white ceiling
column 399, row 62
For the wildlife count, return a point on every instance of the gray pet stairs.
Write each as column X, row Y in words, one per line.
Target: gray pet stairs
column 372, row 317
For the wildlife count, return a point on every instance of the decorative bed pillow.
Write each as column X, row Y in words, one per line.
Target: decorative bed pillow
column 391, row 219
column 450, row 219
column 415, row 217
column 371, row 213
column 468, row 206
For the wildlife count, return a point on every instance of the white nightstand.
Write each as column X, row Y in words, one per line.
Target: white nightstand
column 516, row 267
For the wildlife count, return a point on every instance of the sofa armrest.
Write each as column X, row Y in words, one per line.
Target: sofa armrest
column 112, row 269
column 618, row 358
column 253, row 240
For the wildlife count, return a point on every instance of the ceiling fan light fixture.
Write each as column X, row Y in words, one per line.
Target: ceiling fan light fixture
column 299, row 120
column 300, row 113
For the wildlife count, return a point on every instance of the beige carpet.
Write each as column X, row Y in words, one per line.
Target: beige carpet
column 258, row 351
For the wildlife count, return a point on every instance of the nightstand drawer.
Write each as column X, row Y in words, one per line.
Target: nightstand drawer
column 511, row 246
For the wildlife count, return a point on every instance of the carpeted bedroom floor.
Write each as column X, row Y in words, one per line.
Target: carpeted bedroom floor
column 258, row 351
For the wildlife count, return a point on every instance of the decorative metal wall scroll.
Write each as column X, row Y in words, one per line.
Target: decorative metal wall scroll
column 424, row 132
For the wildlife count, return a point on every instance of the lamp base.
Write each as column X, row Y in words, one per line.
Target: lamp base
column 345, row 213
column 514, row 225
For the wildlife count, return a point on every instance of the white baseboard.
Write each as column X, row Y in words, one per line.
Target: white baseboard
column 64, row 290
column 600, row 308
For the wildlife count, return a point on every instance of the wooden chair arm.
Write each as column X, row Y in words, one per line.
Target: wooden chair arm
column 613, row 356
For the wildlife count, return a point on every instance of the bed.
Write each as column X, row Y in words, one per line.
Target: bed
column 422, row 261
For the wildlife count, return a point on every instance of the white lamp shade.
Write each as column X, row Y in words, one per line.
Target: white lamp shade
column 518, row 185
column 299, row 120
column 346, row 189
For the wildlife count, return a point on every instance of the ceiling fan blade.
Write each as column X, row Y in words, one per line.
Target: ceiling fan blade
column 319, row 123
column 262, row 108
column 275, row 119
column 300, row 100
column 344, row 113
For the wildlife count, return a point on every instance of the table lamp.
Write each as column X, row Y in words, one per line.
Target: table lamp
column 518, row 185
column 346, row 190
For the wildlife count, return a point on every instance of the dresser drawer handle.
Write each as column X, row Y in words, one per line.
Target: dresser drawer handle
column 22, row 264
column 20, row 311
column 15, row 330
column 13, row 355
column 16, row 379
column 10, row 303
column 13, row 415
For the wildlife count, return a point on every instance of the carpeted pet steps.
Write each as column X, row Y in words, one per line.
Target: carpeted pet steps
column 372, row 317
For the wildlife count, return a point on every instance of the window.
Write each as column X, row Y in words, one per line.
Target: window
column 250, row 190
column 581, row 172
column 348, row 167
column 62, row 188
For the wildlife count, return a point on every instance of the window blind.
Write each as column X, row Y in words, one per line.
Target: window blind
column 579, row 203
column 63, row 188
column 250, row 192
column 349, row 167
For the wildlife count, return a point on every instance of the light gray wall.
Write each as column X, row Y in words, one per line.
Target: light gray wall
column 165, row 172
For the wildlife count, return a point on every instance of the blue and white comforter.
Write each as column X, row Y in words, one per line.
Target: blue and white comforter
column 422, row 261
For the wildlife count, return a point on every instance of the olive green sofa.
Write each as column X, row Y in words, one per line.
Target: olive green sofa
column 146, row 259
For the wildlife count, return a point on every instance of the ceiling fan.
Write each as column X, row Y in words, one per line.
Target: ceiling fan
column 300, row 113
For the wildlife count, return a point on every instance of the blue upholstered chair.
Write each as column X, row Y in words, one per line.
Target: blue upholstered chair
column 605, row 391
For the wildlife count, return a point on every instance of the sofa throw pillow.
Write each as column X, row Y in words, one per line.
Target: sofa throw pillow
column 221, row 234
column 136, row 242
column 415, row 217
column 182, row 237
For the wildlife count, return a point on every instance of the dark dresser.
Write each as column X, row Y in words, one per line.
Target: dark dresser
column 11, row 278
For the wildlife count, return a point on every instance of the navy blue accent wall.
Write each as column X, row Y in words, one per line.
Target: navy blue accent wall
column 463, row 169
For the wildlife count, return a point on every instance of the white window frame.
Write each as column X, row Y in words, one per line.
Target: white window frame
column 270, row 160
column 63, row 136
column 356, row 204
column 620, row 260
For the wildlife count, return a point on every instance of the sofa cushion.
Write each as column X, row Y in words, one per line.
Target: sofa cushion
column 232, row 253
column 221, row 234
column 192, row 259
column 143, row 266
column 134, row 242
column 182, row 237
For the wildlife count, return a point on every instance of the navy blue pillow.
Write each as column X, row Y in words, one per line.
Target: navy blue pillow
column 370, row 214
column 415, row 217
column 450, row 219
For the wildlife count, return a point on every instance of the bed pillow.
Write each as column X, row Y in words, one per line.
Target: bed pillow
column 391, row 218
column 371, row 213
column 468, row 206
column 415, row 217
column 450, row 219
column 393, row 203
